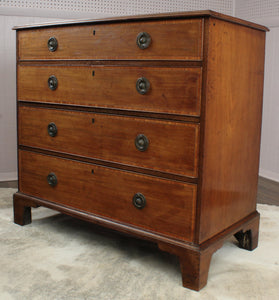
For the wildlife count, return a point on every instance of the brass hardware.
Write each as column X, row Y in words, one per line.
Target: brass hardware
column 139, row 200
column 52, row 179
column 52, row 129
column 143, row 40
column 52, row 44
column 52, row 82
column 141, row 142
column 143, row 85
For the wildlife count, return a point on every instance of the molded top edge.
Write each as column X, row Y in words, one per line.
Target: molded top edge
column 147, row 17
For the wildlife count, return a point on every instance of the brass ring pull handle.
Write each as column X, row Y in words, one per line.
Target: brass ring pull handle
column 52, row 82
column 139, row 200
column 143, row 40
column 52, row 129
column 143, row 85
column 52, row 179
column 141, row 142
column 52, row 44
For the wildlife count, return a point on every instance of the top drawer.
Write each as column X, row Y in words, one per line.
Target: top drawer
column 161, row 40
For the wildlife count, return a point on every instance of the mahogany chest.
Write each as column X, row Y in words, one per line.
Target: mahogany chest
column 149, row 125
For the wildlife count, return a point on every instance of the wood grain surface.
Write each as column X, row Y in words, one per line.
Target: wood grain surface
column 172, row 90
column 172, row 39
column 173, row 146
column 109, row 192
column 231, row 126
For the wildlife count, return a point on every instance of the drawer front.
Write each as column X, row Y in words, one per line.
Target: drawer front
column 172, row 39
column 163, row 206
column 168, row 147
column 159, row 90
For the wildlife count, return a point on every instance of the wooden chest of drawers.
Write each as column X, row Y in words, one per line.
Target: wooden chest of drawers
column 149, row 125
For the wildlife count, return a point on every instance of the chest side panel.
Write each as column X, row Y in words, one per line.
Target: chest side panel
column 232, row 125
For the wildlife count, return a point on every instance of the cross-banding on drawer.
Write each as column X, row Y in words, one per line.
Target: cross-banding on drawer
column 148, row 89
column 175, row 40
column 165, row 146
column 123, row 196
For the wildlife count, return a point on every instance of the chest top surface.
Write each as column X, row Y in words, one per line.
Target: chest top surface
column 150, row 17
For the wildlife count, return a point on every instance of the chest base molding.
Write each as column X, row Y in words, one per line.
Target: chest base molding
column 194, row 259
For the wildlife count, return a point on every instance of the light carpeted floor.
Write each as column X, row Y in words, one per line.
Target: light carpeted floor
column 59, row 257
